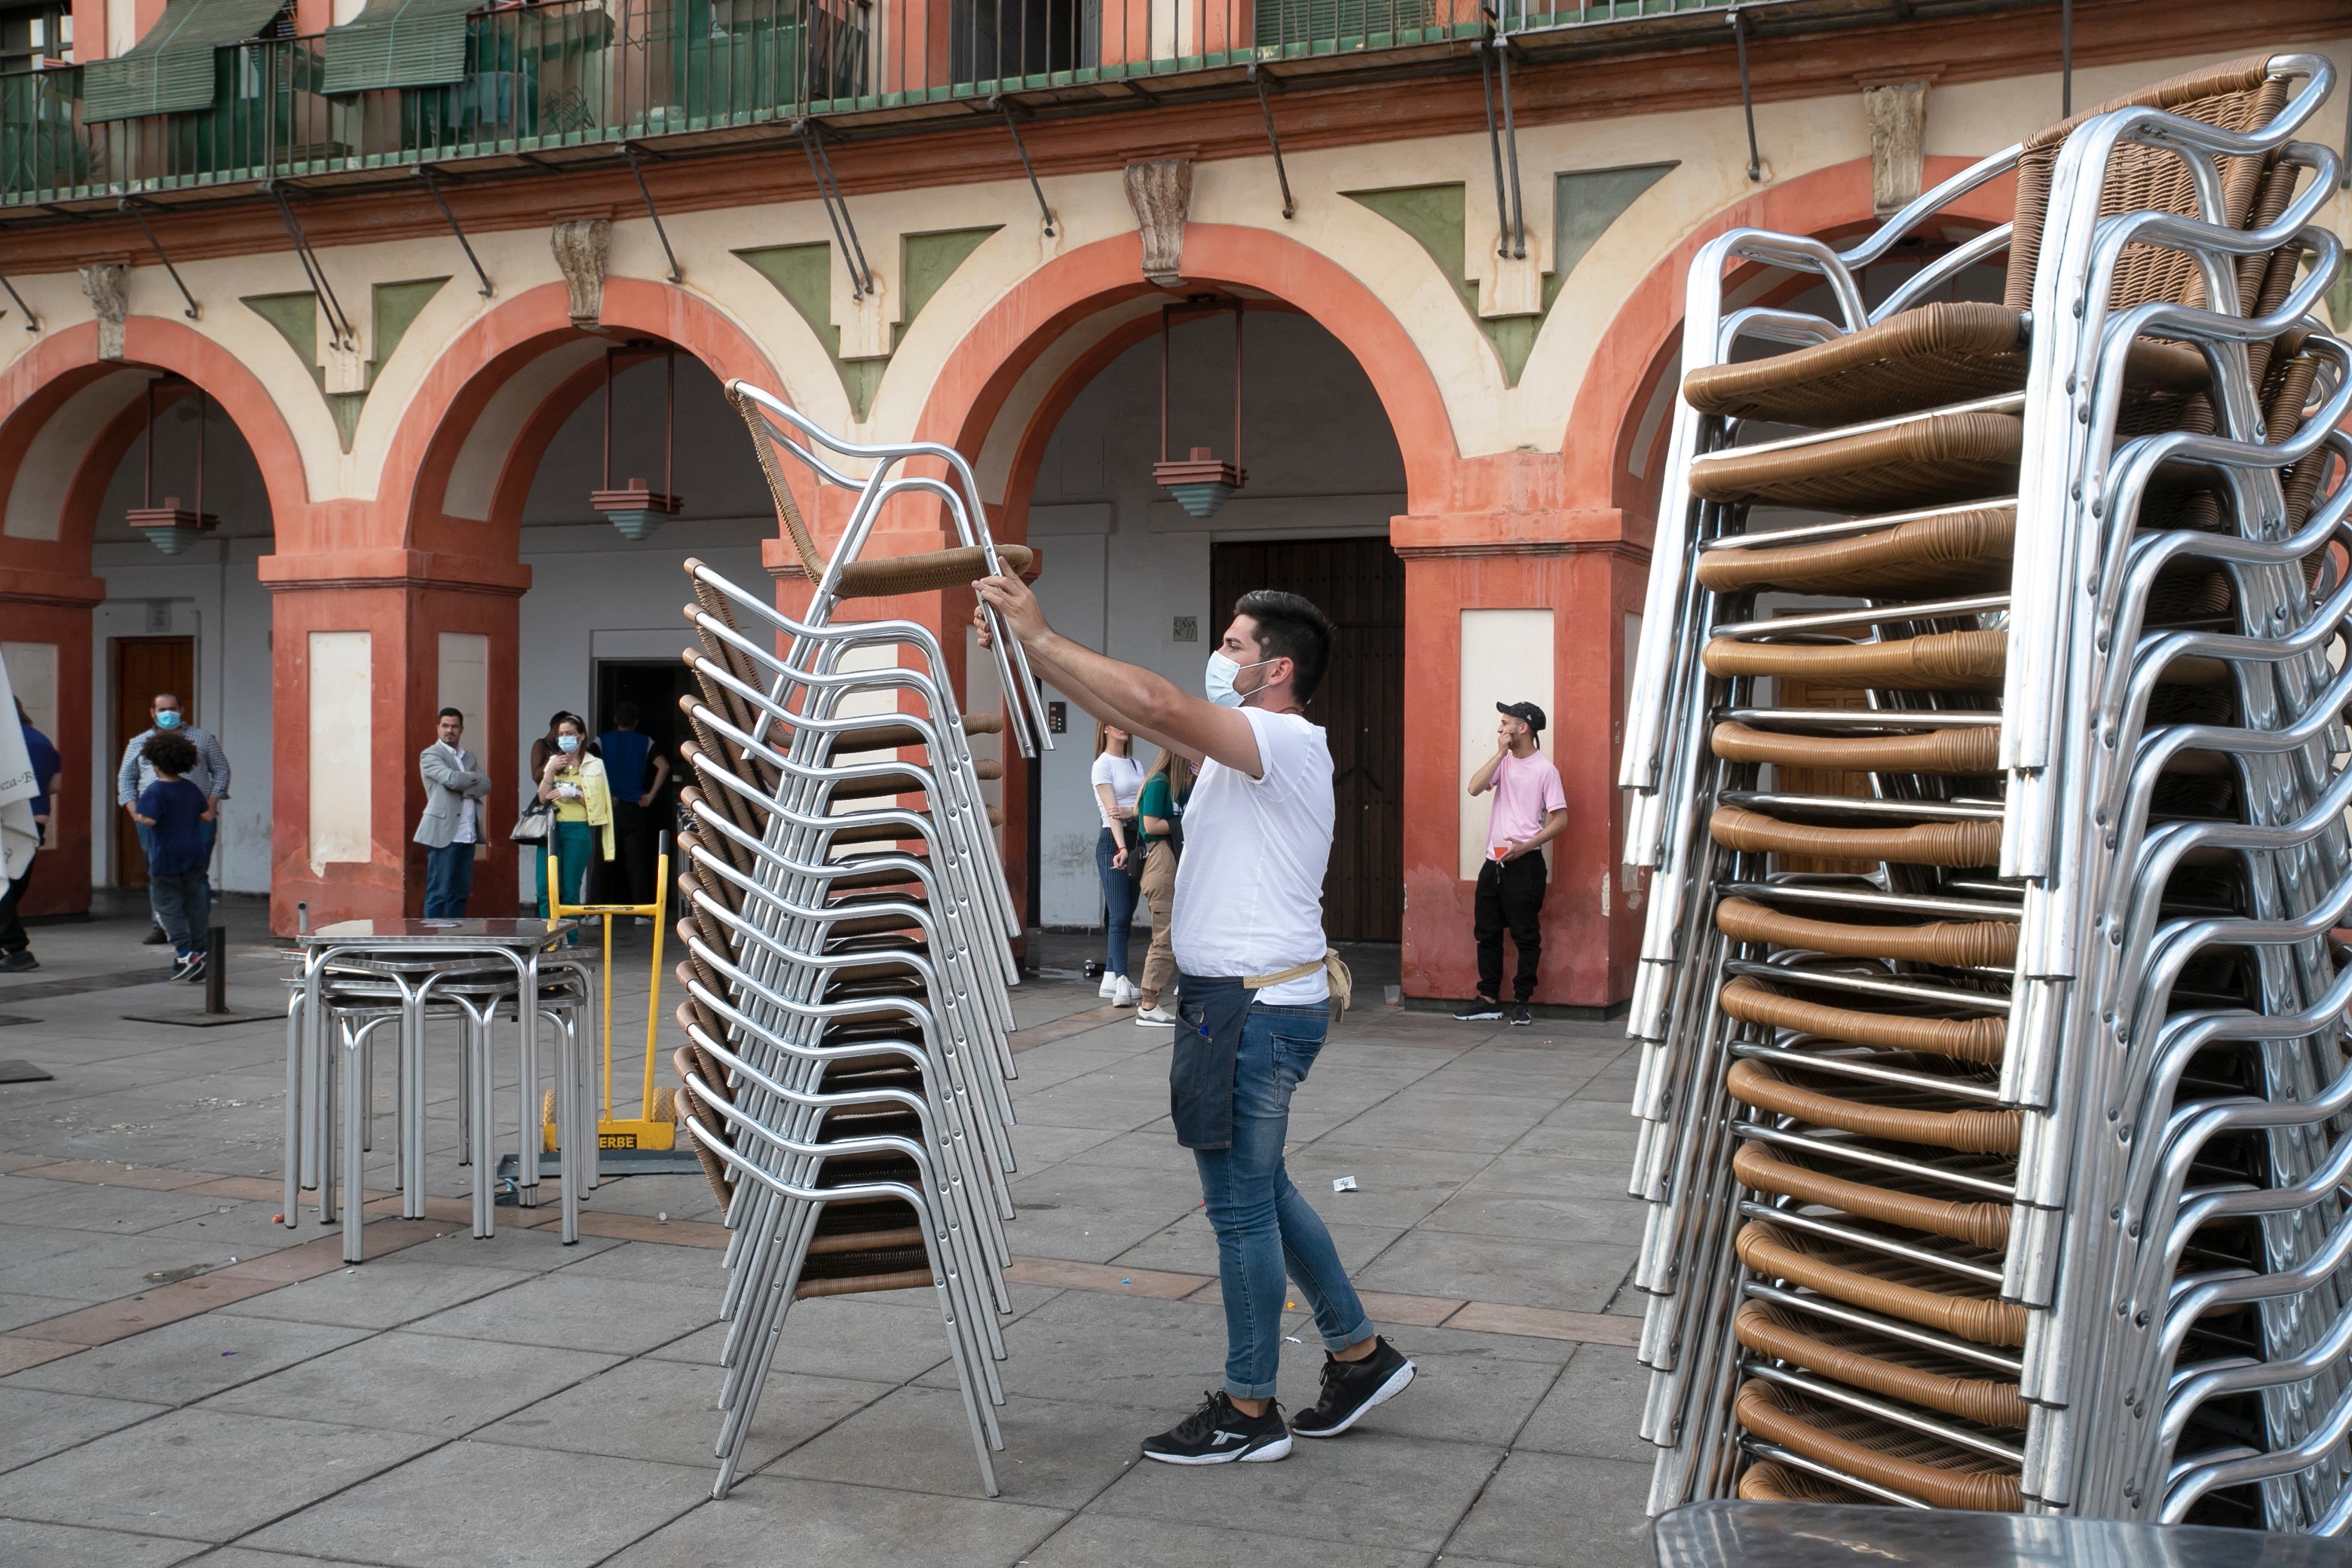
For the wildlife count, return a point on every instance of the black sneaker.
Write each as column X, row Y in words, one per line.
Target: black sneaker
column 195, row 970
column 1519, row 1016
column 19, row 961
column 1217, row 1433
column 1480, row 1012
column 156, row 937
column 1352, row 1387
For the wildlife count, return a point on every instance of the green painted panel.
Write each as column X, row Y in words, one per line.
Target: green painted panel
column 296, row 317
column 802, row 274
column 1435, row 217
column 928, row 261
column 397, row 306
column 1584, row 204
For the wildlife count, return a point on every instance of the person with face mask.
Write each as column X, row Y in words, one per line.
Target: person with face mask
column 1251, row 973
column 210, row 774
column 573, row 781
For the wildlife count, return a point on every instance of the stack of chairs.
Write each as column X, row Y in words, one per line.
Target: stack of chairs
column 1993, row 1072
column 848, row 929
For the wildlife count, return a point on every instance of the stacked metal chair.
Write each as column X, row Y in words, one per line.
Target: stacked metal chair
column 848, row 930
column 1994, row 1073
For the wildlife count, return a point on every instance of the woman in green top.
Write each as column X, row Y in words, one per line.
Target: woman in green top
column 1158, row 809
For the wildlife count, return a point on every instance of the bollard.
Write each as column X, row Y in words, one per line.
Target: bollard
column 302, row 917
column 216, row 970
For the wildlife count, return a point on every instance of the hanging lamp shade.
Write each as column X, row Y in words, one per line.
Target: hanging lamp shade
column 636, row 509
column 1200, row 484
column 171, row 527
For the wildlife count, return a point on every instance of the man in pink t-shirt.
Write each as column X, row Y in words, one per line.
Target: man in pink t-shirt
column 1530, row 810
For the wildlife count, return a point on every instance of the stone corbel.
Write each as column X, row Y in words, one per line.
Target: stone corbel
column 1161, row 192
column 1898, row 112
column 106, row 284
column 584, row 249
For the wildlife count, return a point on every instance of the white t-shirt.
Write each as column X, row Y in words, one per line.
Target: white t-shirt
column 1125, row 776
column 469, row 813
column 1249, row 890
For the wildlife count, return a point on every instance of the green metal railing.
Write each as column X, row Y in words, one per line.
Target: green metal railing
column 543, row 77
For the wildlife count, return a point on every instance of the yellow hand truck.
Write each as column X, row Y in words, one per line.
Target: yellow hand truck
column 655, row 1127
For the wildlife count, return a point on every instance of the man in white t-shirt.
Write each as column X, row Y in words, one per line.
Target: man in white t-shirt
column 1248, row 930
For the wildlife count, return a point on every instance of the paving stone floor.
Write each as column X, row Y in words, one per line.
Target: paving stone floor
column 195, row 1384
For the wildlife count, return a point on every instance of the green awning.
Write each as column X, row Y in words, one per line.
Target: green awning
column 399, row 43
column 170, row 70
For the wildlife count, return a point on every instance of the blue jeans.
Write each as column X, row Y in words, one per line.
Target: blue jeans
column 448, row 882
column 1264, row 1228
column 1118, row 904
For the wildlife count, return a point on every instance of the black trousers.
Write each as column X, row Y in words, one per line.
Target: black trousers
column 629, row 878
column 12, row 929
column 1510, row 894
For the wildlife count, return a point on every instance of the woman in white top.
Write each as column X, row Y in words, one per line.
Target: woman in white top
column 1118, row 780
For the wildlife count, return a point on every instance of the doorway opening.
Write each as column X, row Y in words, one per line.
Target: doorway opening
column 1359, row 584
column 143, row 666
column 654, row 685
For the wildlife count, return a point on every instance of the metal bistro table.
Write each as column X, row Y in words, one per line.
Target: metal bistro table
column 396, row 943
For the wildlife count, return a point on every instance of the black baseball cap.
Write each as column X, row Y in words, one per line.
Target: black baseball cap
column 1528, row 714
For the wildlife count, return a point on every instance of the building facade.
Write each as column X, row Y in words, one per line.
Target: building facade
column 407, row 280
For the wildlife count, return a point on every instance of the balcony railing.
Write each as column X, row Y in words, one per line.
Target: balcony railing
column 540, row 77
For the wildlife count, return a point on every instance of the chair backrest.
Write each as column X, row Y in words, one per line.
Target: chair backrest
column 788, row 512
column 2241, row 95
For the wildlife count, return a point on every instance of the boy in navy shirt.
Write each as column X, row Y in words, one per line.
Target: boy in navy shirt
column 175, row 815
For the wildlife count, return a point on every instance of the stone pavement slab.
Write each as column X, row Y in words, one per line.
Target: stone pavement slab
column 214, row 1474
column 561, row 1310
column 425, row 1383
column 667, row 1412
column 1092, row 1541
column 34, row 1424
column 1367, row 1488
column 64, row 1546
column 484, row 1505
column 187, row 1360
column 1551, row 1510
column 393, row 1290
column 842, row 1526
column 1056, row 1454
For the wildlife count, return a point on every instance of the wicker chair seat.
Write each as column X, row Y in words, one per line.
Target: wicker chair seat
column 1978, row 1040
column 1878, row 1365
column 1938, row 661
column 1892, row 1111
column 1763, row 1170
column 1948, row 551
column 1923, row 358
column 1768, row 1480
column 1961, row 943
column 1958, row 844
column 1917, row 1465
column 1940, row 751
column 1937, row 460
column 1875, row 1281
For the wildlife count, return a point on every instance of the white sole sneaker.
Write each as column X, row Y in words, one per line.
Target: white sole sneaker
column 1398, row 1381
column 1156, row 1019
column 1277, row 1450
column 1127, row 994
column 1109, row 988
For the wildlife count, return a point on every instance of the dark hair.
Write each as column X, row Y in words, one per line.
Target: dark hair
column 449, row 713
column 573, row 720
column 170, row 753
column 625, row 715
column 1290, row 627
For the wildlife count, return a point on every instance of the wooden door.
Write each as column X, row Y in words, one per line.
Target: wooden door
column 1359, row 584
column 143, row 666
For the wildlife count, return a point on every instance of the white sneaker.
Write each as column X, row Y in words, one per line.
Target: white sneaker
column 1127, row 994
column 1109, row 988
column 1155, row 1017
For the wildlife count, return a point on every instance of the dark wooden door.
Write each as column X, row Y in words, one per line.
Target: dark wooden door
column 143, row 666
column 1359, row 584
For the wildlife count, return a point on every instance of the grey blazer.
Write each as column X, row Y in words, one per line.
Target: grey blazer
column 445, row 786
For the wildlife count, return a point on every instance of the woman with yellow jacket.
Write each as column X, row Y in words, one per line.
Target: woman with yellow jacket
column 573, row 781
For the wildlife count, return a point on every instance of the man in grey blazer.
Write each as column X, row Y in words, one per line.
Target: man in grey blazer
column 455, row 788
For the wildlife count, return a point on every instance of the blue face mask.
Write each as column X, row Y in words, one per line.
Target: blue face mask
column 567, row 742
column 169, row 718
column 1218, row 683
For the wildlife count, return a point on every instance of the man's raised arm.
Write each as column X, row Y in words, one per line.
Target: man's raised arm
column 1126, row 695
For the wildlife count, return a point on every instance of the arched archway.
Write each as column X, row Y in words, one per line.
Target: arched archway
column 522, row 598
column 72, row 425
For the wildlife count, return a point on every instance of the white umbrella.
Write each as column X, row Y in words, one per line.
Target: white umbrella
column 18, row 837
